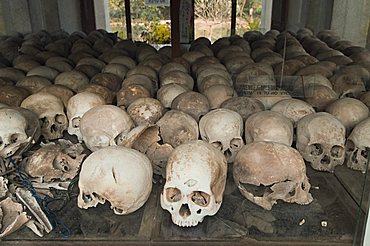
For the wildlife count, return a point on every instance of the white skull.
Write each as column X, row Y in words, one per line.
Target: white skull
column 195, row 182
column 55, row 161
column 116, row 174
column 104, row 125
column 50, row 110
column 223, row 128
column 266, row 172
column 268, row 126
column 349, row 111
column 12, row 131
column 356, row 146
column 320, row 140
column 169, row 92
column 77, row 106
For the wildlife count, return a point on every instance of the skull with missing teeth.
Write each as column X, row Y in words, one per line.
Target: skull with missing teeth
column 195, row 182
column 357, row 145
column 267, row 171
column 50, row 110
column 223, row 129
column 320, row 140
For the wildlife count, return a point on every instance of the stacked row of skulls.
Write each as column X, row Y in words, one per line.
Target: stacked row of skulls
column 114, row 112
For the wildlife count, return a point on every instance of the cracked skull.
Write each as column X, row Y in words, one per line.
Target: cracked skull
column 320, row 140
column 116, row 174
column 223, row 128
column 265, row 172
column 195, row 182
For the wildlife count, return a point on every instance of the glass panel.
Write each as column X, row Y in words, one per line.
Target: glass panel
column 150, row 24
column 118, row 18
column 248, row 16
column 212, row 18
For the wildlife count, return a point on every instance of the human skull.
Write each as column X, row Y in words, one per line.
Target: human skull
column 192, row 103
column 265, row 172
column 223, row 128
column 268, row 126
column 55, row 161
column 349, row 111
column 145, row 110
column 13, row 95
column 357, row 145
column 294, row 109
column 12, row 217
column 116, row 174
column 245, row 106
column 270, row 97
column 95, row 131
column 217, row 94
column 195, row 183
column 320, row 140
column 12, row 131
column 169, row 92
column 77, row 106
column 72, row 79
column 50, row 110
column 177, row 127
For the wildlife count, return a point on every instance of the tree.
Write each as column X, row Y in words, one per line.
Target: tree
column 217, row 10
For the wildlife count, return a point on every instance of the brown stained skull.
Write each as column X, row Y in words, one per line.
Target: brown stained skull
column 320, row 140
column 13, row 95
column 109, row 80
column 145, row 110
column 266, row 172
column 245, row 106
column 192, row 103
column 55, row 161
column 177, row 127
column 128, row 94
column 349, row 111
column 73, row 80
column 99, row 90
column 60, row 91
column 218, row 94
column 34, row 83
column 269, row 126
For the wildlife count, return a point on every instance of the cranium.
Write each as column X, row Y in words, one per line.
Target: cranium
column 268, row 126
column 116, row 174
column 95, row 131
column 77, row 106
column 13, row 95
column 266, row 172
column 245, row 106
column 128, row 94
column 217, row 94
column 50, row 110
column 270, row 97
column 58, row 161
column 13, row 134
column 109, row 80
column 192, row 103
column 100, row 90
column 320, row 140
column 33, row 83
column 60, row 91
column 44, row 71
column 177, row 77
column 145, row 110
column 195, row 183
column 349, row 111
column 168, row 93
column 223, row 128
column 357, row 146
column 73, row 80
column 177, row 127
column 294, row 109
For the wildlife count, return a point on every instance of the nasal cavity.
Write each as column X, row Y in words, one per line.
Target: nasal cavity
column 325, row 160
column 184, row 211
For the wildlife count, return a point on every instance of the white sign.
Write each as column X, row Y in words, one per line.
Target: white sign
column 157, row 2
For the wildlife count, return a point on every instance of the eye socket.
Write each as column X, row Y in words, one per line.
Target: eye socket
column 316, row 149
column 350, row 146
column 87, row 198
column 76, row 122
column 200, row 198
column 1, row 141
column 60, row 119
column 14, row 138
column 173, row 194
column 44, row 122
column 337, row 151
column 217, row 145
